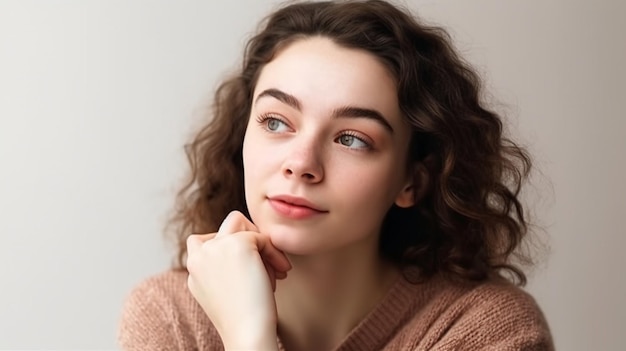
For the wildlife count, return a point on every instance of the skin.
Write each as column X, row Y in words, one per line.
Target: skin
column 348, row 165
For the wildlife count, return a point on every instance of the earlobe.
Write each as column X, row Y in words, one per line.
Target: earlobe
column 416, row 188
column 406, row 197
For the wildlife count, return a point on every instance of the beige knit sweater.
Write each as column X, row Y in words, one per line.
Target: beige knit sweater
column 161, row 314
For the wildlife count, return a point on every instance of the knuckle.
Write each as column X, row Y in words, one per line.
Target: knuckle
column 234, row 217
column 191, row 263
column 194, row 262
column 234, row 222
column 190, row 240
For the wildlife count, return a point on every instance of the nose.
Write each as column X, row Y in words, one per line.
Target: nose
column 304, row 163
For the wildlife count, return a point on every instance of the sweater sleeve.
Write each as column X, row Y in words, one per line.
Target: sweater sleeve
column 498, row 317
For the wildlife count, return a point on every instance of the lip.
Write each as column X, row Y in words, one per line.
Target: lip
column 294, row 207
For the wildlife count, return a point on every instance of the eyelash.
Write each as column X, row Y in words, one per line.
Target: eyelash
column 368, row 145
column 266, row 117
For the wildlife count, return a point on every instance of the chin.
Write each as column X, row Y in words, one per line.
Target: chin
column 292, row 241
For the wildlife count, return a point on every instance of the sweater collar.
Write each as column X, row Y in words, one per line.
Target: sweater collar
column 379, row 325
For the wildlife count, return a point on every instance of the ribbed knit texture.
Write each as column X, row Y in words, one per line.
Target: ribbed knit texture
column 161, row 314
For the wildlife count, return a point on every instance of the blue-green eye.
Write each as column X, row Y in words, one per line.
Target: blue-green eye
column 352, row 141
column 273, row 124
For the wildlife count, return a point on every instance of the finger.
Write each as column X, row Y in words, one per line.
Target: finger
column 196, row 240
column 205, row 237
column 276, row 258
column 235, row 222
column 193, row 243
column 280, row 275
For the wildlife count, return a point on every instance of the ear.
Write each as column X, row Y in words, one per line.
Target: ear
column 416, row 186
column 406, row 197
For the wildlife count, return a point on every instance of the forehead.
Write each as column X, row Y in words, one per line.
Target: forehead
column 324, row 75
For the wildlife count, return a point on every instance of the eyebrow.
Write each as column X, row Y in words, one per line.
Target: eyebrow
column 342, row 112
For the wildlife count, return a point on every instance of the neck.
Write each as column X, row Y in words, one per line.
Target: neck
column 323, row 298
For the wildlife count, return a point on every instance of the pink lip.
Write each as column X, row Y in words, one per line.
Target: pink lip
column 294, row 207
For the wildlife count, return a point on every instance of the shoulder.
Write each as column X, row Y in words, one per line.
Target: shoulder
column 492, row 315
column 497, row 298
column 500, row 316
column 160, row 313
column 504, row 306
column 508, row 318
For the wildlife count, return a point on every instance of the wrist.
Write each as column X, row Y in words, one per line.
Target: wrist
column 250, row 345
column 250, row 339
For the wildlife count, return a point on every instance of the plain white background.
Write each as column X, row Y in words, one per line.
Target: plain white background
column 98, row 97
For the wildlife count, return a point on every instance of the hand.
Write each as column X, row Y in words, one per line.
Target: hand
column 232, row 275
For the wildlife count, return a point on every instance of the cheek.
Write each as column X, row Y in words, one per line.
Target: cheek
column 252, row 151
column 260, row 161
column 373, row 188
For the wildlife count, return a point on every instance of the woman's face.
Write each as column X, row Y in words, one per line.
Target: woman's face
column 325, row 148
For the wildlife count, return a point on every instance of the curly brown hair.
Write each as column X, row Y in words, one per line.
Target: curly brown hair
column 471, row 220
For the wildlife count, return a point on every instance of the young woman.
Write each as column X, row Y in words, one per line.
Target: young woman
column 351, row 192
